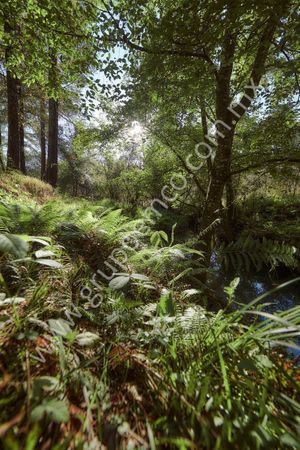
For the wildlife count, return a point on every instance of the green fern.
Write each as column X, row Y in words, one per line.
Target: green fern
column 115, row 224
column 210, row 228
column 165, row 262
column 15, row 218
column 247, row 252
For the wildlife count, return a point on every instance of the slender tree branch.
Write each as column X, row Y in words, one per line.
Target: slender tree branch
column 258, row 67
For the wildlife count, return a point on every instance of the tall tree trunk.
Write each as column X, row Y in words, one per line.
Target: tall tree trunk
column 220, row 169
column 2, row 166
column 13, row 113
column 75, row 186
column 43, row 138
column 227, row 117
column 21, row 131
column 212, row 212
column 52, row 158
column 13, row 120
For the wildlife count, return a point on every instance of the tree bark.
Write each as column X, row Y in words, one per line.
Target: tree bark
column 13, row 120
column 228, row 118
column 52, row 158
column 21, row 131
column 13, row 112
column 220, row 169
column 213, row 206
column 43, row 138
column 2, row 166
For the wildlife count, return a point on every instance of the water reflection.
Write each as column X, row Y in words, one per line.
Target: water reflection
column 253, row 284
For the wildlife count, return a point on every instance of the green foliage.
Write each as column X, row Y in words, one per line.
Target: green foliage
column 247, row 252
column 148, row 366
column 272, row 213
column 55, row 411
column 165, row 262
column 166, row 306
column 13, row 245
column 221, row 376
column 158, row 238
column 230, row 290
column 30, row 34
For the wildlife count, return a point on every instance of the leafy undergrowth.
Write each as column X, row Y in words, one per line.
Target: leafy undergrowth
column 133, row 361
column 273, row 217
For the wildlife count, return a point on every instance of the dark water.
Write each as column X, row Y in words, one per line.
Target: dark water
column 253, row 284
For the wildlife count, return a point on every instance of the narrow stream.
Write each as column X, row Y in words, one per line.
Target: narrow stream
column 252, row 284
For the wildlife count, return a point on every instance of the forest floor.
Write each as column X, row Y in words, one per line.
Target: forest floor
column 137, row 361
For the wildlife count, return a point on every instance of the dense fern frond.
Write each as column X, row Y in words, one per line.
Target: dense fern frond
column 166, row 261
column 111, row 224
column 247, row 252
column 26, row 219
column 115, row 224
column 210, row 228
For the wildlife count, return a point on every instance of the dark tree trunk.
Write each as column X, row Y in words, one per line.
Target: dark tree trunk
column 13, row 113
column 43, row 138
column 52, row 159
column 213, row 205
column 2, row 166
column 13, row 120
column 52, row 156
column 220, row 169
column 21, row 131
column 228, row 118
column 75, row 187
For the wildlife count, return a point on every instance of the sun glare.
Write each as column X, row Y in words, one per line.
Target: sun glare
column 135, row 130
